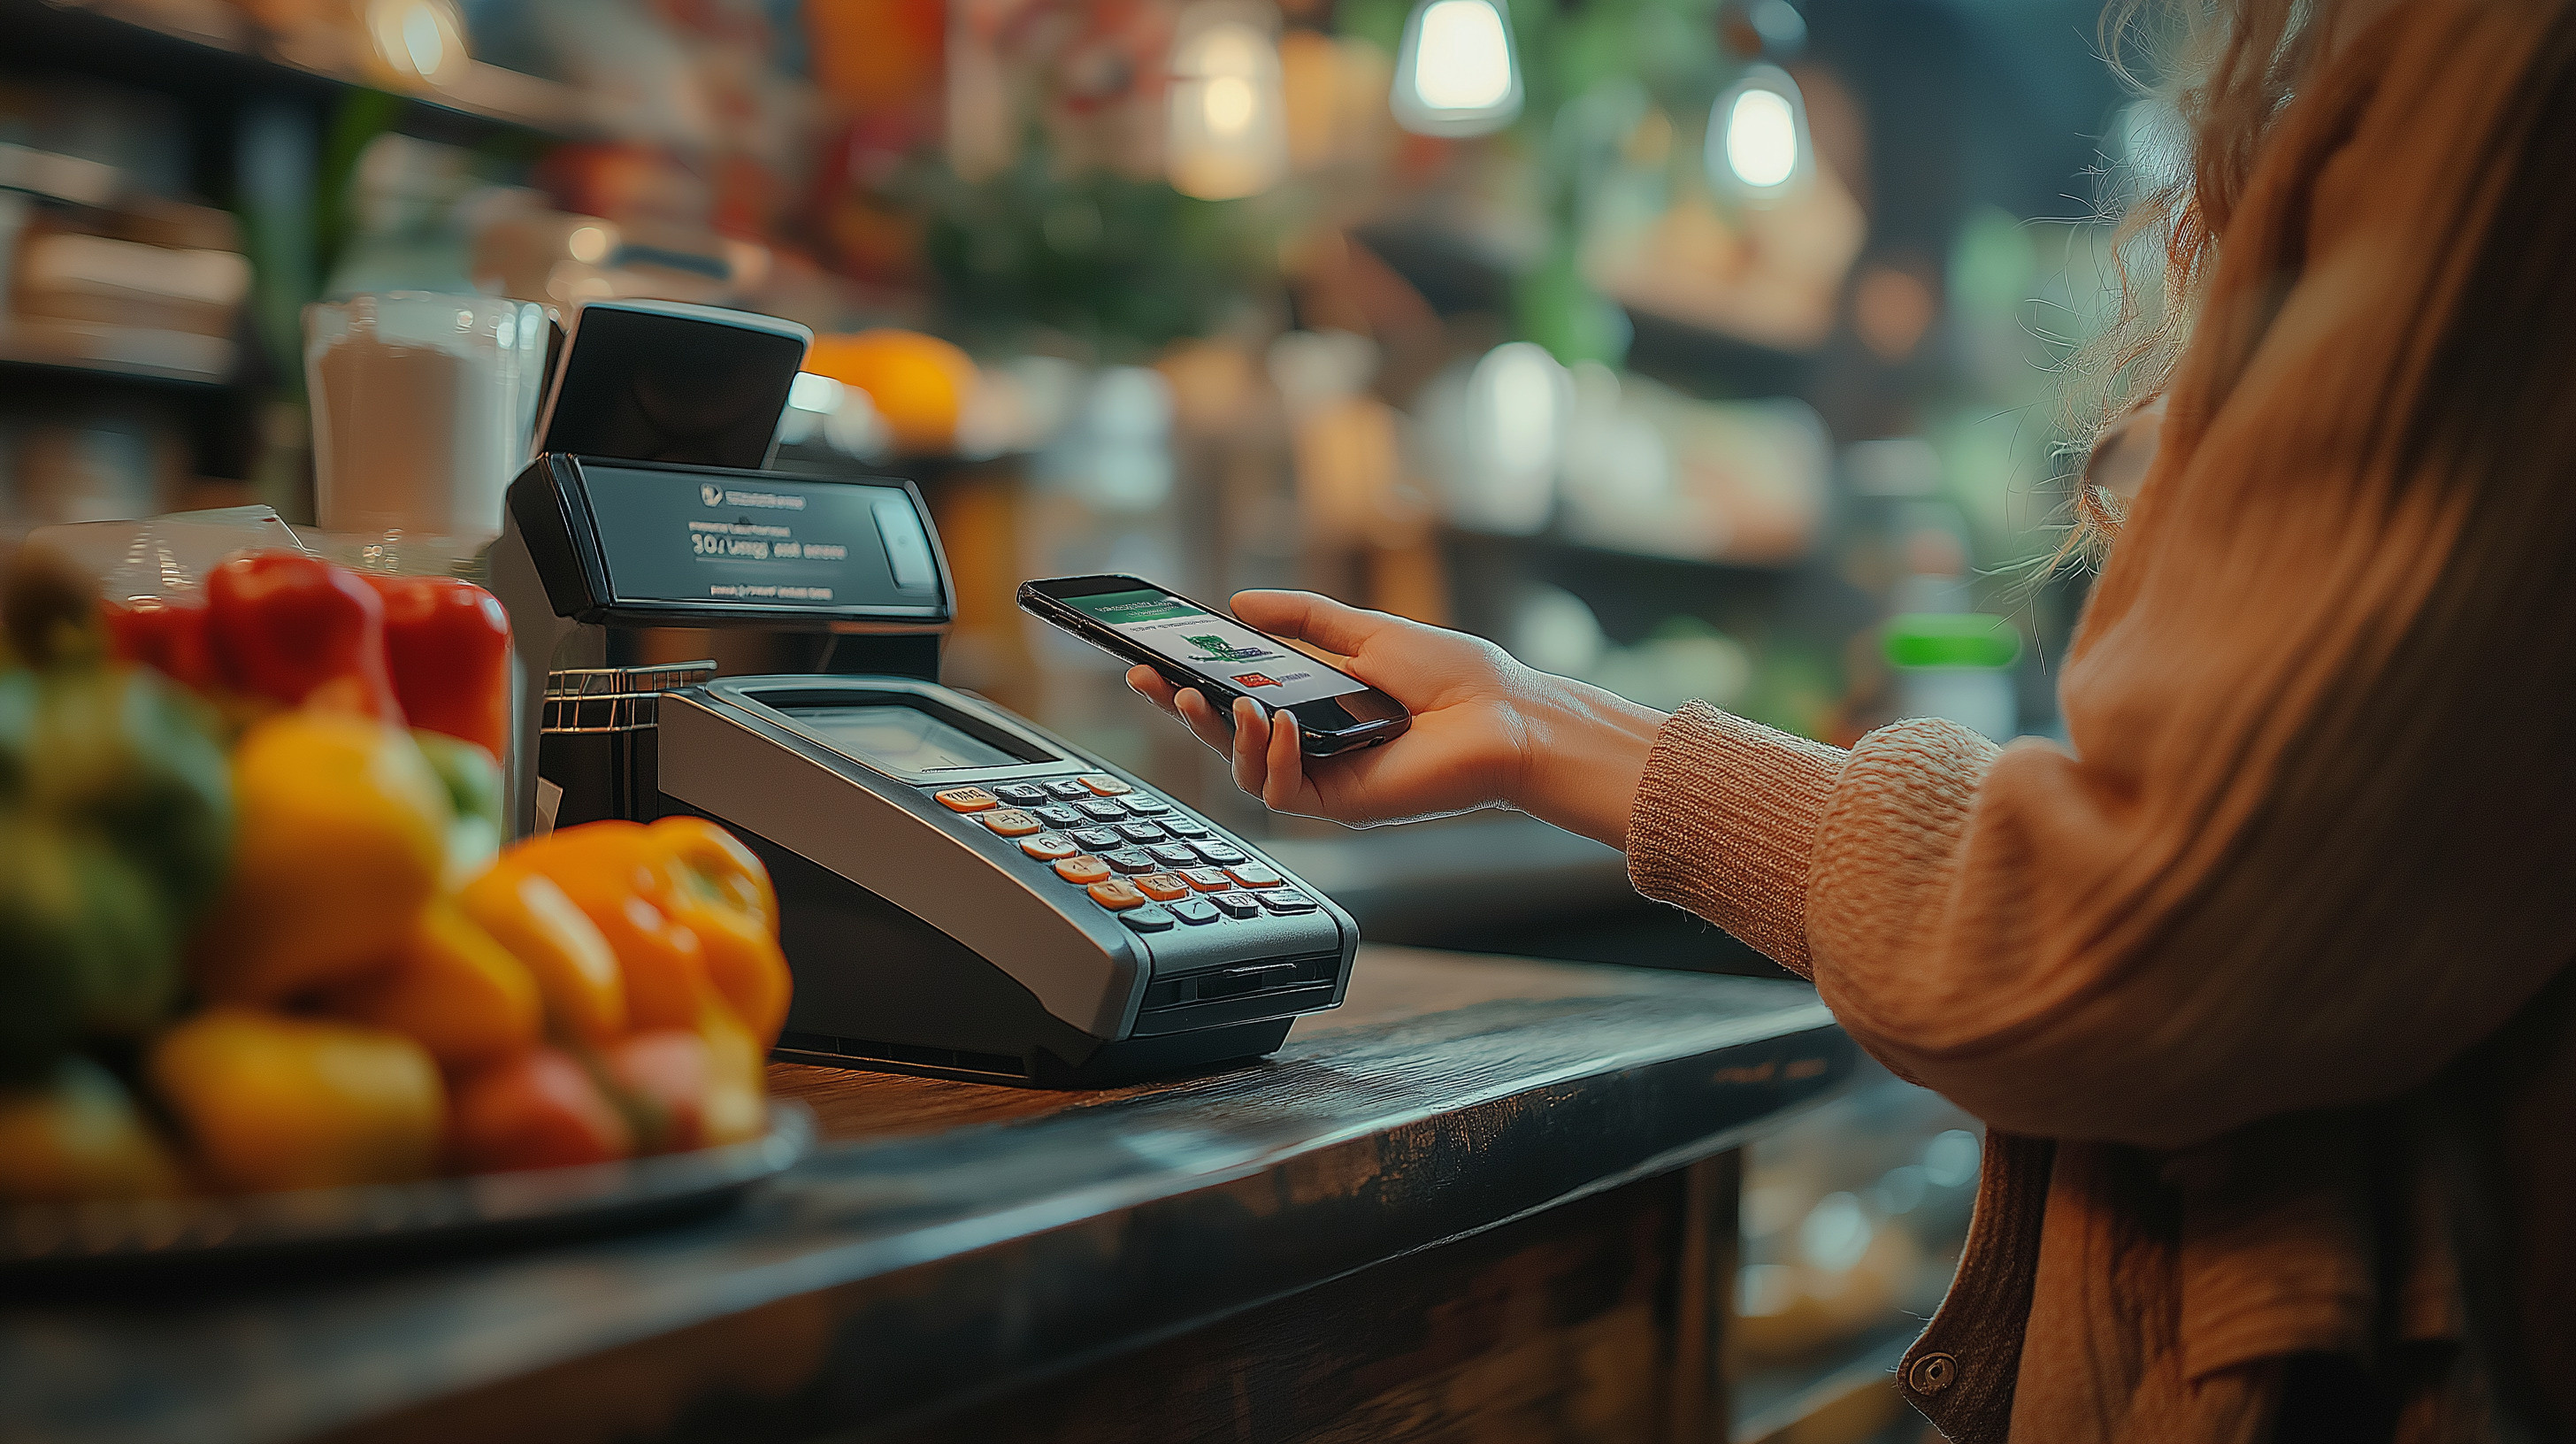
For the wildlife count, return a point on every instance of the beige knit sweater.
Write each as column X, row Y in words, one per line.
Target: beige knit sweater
column 2230, row 974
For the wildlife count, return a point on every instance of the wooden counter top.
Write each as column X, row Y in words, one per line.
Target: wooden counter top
column 951, row 1237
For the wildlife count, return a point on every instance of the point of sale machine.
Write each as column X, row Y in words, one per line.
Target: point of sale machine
column 962, row 893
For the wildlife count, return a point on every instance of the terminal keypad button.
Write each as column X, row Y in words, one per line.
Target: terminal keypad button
column 968, row 799
column 1236, row 904
column 1012, row 822
column 1144, row 806
column 1184, row 827
column 1208, row 879
column 1101, row 810
column 1098, row 839
column 1146, row 919
column 1068, row 789
column 1162, row 886
column 1058, row 815
column 1253, row 874
column 1286, row 900
column 1194, row 910
column 1223, row 854
column 1131, row 859
column 1117, row 894
column 1174, row 854
column 1049, row 846
column 1083, row 870
column 1142, row 832
column 1021, row 794
column 1104, row 784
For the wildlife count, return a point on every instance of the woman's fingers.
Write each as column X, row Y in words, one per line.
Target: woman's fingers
column 1251, row 746
column 1306, row 617
column 1205, row 722
column 1147, row 683
column 1279, row 791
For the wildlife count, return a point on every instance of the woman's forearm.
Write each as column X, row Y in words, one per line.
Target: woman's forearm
column 1582, row 756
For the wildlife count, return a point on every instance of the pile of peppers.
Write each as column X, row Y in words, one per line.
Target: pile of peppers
column 334, row 975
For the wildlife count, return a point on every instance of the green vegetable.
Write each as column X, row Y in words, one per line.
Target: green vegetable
column 115, row 828
column 473, row 783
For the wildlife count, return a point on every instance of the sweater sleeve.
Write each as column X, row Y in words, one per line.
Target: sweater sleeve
column 1724, row 820
column 2315, row 829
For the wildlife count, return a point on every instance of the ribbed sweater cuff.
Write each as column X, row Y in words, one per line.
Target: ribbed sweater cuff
column 1724, row 822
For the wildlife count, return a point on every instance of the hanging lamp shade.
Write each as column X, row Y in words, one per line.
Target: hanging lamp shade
column 1227, row 134
column 1758, row 150
column 1457, row 74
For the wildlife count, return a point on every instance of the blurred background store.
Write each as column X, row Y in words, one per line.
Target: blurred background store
column 1700, row 348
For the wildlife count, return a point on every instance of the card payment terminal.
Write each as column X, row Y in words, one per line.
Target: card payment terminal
column 962, row 894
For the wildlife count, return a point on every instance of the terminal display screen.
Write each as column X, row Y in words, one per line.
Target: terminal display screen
column 725, row 541
column 902, row 739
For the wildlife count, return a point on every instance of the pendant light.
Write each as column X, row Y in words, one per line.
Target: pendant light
column 1456, row 74
column 1227, row 134
column 1758, row 149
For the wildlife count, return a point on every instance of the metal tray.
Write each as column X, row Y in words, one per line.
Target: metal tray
column 151, row 1236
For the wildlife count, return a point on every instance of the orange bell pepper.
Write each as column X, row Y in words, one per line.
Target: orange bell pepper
column 717, row 888
column 688, row 910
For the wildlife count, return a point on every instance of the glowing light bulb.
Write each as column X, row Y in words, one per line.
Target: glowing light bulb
column 1456, row 74
column 1229, row 104
column 420, row 40
column 1757, row 136
column 1227, row 133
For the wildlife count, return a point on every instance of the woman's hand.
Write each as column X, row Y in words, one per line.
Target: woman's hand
column 1486, row 731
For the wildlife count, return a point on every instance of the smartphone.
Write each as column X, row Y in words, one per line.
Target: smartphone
column 1194, row 645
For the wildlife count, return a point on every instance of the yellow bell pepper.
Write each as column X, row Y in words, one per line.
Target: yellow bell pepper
column 454, row 990
column 340, row 838
column 79, row 1137
column 575, row 969
column 272, row 1102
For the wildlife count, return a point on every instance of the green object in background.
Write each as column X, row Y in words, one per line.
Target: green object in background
column 1952, row 639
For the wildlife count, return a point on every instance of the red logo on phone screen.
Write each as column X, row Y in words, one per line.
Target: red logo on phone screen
column 1255, row 679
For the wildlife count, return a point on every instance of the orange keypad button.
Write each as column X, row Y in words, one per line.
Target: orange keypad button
column 968, row 799
column 1162, row 886
column 1253, row 874
column 1117, row 894
column 1049, row 846
column 1104, row 785
column 1208, row 879
column 1012, row 822
column 1084, row 870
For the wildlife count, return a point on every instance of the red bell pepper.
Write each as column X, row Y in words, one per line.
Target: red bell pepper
column 449, row 645
column 298, row 630
column 167, row 633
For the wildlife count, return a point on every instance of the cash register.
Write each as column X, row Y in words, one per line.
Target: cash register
column 962, row 894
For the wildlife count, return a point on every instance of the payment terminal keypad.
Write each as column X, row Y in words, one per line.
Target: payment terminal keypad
column 1136, row 855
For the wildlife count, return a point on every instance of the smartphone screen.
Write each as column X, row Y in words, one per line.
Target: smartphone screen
column 1195, row 645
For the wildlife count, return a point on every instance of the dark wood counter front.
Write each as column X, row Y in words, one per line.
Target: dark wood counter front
column 1485, row 1198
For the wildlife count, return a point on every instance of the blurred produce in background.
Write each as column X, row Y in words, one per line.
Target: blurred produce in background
column 1699, row 348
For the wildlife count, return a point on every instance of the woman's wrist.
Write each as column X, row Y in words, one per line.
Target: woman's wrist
column 1583, row 753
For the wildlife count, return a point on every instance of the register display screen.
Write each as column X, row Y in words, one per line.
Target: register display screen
column 759, row 542
column 902, row 739
column 1217, row 646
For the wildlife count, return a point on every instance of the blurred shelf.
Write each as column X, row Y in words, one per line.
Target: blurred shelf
column 1710, row 363
column 111, row 357
column 1561, row 544
column 207, row 50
